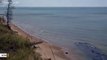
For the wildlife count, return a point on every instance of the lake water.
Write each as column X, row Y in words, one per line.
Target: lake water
column 65, row 26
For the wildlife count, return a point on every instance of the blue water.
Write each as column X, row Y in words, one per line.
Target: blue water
column 65, row 26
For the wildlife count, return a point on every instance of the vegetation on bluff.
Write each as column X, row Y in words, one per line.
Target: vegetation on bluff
column 16, row 46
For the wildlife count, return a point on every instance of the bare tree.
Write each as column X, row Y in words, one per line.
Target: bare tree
column 9, row 13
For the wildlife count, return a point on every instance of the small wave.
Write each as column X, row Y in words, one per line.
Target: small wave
column 93, row 52
column 32, row 14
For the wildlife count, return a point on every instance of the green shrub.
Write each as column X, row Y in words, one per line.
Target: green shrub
column 12, row 42
column 18, row 47
column 4, row 30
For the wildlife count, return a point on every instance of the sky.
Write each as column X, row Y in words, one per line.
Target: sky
column 61, row 3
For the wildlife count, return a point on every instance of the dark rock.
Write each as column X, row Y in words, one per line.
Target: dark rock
column 66, row 52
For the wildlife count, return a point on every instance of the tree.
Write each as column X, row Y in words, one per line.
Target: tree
column 9, row 13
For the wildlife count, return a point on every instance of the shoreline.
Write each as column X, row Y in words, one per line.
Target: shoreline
column 46, row 50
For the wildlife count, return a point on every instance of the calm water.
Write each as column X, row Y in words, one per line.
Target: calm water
column 65, row 26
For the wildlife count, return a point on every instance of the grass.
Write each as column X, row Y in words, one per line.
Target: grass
column 16, row 46
column 4, row 29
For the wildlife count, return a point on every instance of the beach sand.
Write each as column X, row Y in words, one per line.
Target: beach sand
column 46, row 50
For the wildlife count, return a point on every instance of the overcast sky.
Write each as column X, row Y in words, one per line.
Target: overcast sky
column 62, row 3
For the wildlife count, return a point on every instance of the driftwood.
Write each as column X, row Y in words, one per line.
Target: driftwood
column 36, row 43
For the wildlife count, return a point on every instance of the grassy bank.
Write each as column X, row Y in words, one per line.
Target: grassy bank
column 16, row 46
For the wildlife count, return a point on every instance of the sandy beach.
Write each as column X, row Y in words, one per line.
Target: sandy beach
column 46, row 50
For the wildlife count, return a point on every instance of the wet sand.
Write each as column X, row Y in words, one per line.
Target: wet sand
column 45, row 49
